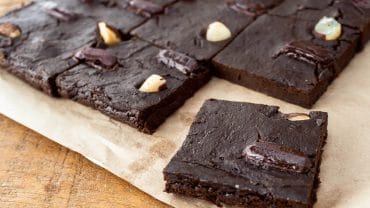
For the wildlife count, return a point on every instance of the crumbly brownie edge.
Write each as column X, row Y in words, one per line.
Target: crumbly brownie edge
column 219, row 194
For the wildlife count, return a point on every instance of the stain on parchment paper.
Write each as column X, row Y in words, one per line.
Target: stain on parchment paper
column 162, row 149
column 187, row 118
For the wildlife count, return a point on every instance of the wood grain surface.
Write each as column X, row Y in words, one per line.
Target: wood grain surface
column 36, row 172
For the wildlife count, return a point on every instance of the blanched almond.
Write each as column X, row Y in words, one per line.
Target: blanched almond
column 217, row 32
column 154, row 83
column 328, row 29
column 109, row 36
column 298, row 117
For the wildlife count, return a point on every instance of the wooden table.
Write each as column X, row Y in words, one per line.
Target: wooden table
column 36, row 172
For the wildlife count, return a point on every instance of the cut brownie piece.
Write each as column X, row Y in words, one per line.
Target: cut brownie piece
column 184, row 25
column 51, row 32
column 249, row 155
column 133, row 91
column 289, row 63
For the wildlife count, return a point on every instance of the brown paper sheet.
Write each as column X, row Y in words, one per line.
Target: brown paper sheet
column 140, row 158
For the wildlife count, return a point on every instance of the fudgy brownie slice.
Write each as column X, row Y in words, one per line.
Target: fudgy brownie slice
column 133, row 82
column 282, row 57
column 249, row 155
column 184, row 25
column 50, row 32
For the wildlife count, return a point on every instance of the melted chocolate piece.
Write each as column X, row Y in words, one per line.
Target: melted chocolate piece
column 362, row 3
column 5, row 42
column 60, row 13
column 145, row 8
column 97, row 58
column 246, row 7
column 179, row 61
column 308, row 52
column 271, row 155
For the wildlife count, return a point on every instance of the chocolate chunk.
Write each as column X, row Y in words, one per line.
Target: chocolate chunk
column 179, row 61
column 246, row 7
column 145, row 8
column 97, row 58
column 59, row 13
column 362, row 3
column 271, row 155
column 308, row 52
column 5, row 42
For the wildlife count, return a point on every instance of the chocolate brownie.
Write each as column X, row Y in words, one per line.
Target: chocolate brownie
column 249, row 155
column 51, row 33
column 112, row 82
column 184, row 24
column 290, row 63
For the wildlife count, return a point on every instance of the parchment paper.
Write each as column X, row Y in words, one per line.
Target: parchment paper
column 140, row 158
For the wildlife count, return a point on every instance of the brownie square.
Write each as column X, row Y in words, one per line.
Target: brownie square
column 249, row 155
column 183, row 26
column 49, row 39
column 264, row 57
column 115, row 92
